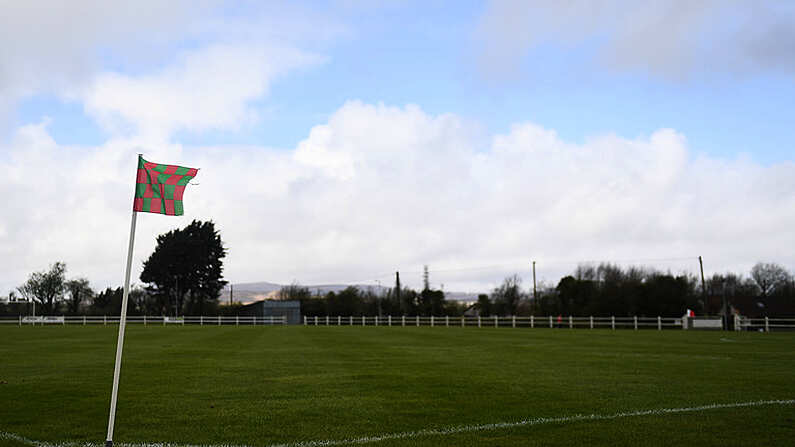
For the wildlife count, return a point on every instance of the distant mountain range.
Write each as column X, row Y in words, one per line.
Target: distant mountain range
column 249, row 292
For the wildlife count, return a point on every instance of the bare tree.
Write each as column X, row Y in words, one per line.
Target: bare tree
column 769, row 277
column 46, row 287
column 294, row 291
column 507, row 296
column 79, row 291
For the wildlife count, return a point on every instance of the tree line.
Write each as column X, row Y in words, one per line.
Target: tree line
column 602, row 290
column 365, row 301
column 183, row 276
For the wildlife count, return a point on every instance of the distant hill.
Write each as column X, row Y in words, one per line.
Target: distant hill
column 248, row 292
column 254, row 291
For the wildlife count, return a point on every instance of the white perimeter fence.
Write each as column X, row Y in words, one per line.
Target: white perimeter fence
column 146, row 320
column 766, row 324
column 570, row 322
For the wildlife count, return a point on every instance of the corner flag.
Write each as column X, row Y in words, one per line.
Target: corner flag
column 158, row 189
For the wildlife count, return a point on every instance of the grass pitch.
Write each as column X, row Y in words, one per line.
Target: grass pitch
column 261, row 386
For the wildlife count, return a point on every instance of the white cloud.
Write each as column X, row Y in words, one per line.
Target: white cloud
column 378, row 188
column 672, row 39
column 210, row 88
column 48, row 46
column 63, row 48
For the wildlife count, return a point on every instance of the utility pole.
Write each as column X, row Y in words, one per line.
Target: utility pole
column 703, row 285
column 425, row 279
column 725, row 317
column 176, row 298
column 535, row 294
column 397, row 293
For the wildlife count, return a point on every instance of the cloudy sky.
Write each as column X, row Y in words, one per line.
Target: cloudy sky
column 340, row 141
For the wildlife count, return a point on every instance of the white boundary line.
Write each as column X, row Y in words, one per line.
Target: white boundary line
column 425, row 432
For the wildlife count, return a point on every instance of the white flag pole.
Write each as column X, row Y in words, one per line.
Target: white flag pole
column 122, row 323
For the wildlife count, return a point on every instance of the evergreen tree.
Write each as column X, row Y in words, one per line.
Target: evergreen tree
column 185, row 272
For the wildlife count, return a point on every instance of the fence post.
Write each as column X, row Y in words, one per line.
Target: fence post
column 183, row 321
column 350, row 320
column 447, row 320
column 63, row 322
column 418, row 320
column 571, row 322
column 20, row 320
column 104, row 320
column 478, row 320
column 326, row 320
column 403, row 320
column 550, row 321
column 767, row 324
column 201, row 320
column 613, row 322
column 532, row 321
column 513, row 321
column 431, row 320
column 737, row 325
column 496, row 319
column 237, row 320
column 659, row 323
column 376, row 320
column 389, row 320
column 339, row 320
column 591, row 321
column 463, row 320
column 315, row 320
column 84, row 320
column 635, row 321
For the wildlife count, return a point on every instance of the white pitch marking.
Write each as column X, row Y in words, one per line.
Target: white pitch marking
column 425, row 432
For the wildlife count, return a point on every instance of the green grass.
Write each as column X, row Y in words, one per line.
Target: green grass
column 264, row 385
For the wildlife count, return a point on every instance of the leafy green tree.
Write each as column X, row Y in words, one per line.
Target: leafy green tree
column 409, row 299
column 432, row 302
column 610, row 290
column 483, row 305
column 186, row 269
column 665, row 294
column 108, row 302
column 454, row 308
column 345, row 303
column 46, row 287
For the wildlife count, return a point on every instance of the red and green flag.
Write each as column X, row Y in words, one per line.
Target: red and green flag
column 159, row 188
